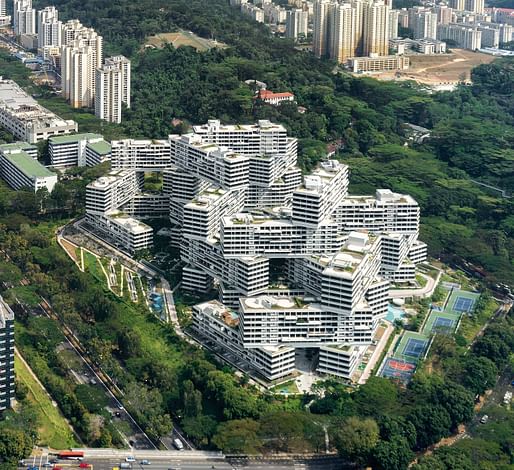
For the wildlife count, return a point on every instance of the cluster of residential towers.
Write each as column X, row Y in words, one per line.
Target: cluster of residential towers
column 296, row 261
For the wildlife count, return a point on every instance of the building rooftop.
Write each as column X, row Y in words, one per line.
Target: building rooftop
column 217, row 310
column 321, row 176
column 101, row 148
column 26, row 109
column 273, row 302
column 72, row 138
column 28, row 165
column 17, row 146
column 134, row 226
column 216, row 125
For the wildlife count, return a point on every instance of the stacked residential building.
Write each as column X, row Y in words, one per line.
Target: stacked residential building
column 81, row 56
column 20, row 169
column 23, row 117
column 7, row 383
column 240, row 208
column 24, row 18
column 350, row 29
column 340, row 252
column 105, row 199
column 112, row 88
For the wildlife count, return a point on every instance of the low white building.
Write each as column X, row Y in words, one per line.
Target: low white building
column 127, row 233
column 20, row 169
column 78, row 150
column 28, row 121
column 339, row 360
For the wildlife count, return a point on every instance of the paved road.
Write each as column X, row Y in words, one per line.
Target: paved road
column 184, row 462
column 425, row 291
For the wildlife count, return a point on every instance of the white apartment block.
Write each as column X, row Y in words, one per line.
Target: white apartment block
column 24, row 17
column 108, row 193
column 423, row 23
column 376, row 28
column 80, row 57
column 393, row 23
column 78, row 150
column 213, row 321
column 104, row 197
column 140, row 155
column 252, row 11
column 112, row 88
column 23, row 117
column 49, row 28
column 297, row 22
column 339, row 361
column 20, row 169
column 5, row 19
column 467, row 37
column 127, row 233
column 108, row 91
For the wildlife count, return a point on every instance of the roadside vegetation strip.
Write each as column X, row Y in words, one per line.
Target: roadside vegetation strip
column 53, row 429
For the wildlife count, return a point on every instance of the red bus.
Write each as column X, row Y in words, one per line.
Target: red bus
column 71, row 455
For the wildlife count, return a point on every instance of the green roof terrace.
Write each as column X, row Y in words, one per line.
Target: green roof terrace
column 28, row 165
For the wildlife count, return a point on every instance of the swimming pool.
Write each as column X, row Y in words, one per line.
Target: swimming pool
column 394, row 313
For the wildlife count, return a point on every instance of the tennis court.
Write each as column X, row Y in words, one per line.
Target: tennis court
column 462, row 301
column 412, row 346
column 439, row 322
column 398, row 369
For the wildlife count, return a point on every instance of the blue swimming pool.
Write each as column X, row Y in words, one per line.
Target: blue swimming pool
column 394, row 313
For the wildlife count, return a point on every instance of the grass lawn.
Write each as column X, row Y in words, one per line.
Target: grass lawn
column 53, row 429
column 91, row 264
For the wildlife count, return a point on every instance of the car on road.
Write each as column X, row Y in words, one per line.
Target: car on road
column 484, row 419
column 120, row 406
column 47, row 464
column 145, row 462
column 130, row 458
column 178, row 444
column 84, row 465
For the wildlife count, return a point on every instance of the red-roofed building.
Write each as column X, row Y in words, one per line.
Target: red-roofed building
column 274, row 98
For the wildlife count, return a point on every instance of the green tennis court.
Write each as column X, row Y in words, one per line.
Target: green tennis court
column 462, row 301
column 412, row 346
column 441, row 322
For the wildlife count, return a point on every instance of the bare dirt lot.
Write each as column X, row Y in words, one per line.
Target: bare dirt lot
column 443, row 69
column 182, row 38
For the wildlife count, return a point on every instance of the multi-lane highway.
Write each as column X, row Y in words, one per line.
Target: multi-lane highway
column 188, row 461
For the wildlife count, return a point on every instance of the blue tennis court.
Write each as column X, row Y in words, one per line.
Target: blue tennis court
column 463, row 304
column 441, row 323
column 415, row 347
